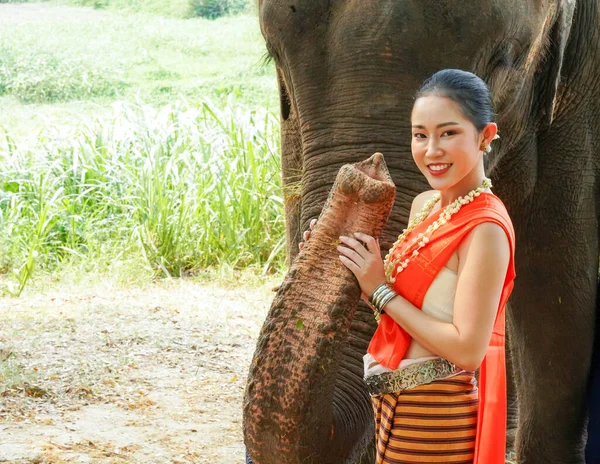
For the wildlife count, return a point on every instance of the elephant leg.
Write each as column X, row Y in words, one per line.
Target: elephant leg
column 592, row 450
column 551, row 319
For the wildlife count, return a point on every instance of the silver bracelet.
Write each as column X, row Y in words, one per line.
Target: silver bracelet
column 386, row 299
column 377, row 293
column 380, row 297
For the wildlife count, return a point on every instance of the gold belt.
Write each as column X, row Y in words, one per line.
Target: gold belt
column 410, row 376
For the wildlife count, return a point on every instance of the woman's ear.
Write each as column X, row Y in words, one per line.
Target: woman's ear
column 488, row 133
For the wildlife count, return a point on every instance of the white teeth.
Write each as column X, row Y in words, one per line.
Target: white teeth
column 440, row 167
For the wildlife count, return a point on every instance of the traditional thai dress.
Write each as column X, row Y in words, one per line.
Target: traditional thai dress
column 428, row 410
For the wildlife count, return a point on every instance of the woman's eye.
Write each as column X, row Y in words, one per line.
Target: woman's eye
column 450, row 132
column 419, row 136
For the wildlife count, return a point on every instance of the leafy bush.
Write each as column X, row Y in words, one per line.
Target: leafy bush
column 216, row 8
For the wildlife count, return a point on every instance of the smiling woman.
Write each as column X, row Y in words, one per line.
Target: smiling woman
column 451, row 127
column 436, row 328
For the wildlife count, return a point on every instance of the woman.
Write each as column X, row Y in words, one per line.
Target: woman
column 440, row 294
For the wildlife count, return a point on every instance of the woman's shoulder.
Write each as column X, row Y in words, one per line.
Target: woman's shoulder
column 488, row 243
column 495, row 207
column 492, row 229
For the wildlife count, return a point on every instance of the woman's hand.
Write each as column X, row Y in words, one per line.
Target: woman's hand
column 306, row 234
column 364, row 262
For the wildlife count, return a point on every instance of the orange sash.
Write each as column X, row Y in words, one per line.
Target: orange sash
column 390, row 342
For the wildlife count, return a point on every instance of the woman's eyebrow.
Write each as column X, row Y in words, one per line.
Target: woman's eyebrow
column 417, row 126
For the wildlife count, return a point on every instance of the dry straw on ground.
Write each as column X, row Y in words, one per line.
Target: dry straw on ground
column 152, row 375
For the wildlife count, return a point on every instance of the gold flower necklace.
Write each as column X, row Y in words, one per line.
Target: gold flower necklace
column 396, row 265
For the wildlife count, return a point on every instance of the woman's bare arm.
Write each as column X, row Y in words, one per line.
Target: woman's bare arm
column 483, row 260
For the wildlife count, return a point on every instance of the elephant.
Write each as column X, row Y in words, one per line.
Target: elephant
column 347, row 72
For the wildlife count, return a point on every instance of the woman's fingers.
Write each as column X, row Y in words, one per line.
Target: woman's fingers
column 370, row 242
column 355, row 245
column 371, row 245
column 349, row 264
column 351, row 254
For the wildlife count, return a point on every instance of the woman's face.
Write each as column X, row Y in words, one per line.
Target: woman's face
column 446, row 145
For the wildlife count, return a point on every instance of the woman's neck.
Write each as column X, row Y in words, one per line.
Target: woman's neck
column 463, row 187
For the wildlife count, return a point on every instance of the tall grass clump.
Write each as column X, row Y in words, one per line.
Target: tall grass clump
column 171, row 190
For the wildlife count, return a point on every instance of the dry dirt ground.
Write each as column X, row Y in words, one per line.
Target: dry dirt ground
column 153, row 375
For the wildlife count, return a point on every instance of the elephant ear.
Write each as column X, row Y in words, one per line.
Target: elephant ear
column 551, row 76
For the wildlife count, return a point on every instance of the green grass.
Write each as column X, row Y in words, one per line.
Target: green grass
column 171, row 191
column 136, row 146
column 169, row 8
column 149, row 56
column 46, row 76
column 55, row 71
column 181, row 9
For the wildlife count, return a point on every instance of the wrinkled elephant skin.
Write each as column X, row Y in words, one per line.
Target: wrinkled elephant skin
column 289, row 415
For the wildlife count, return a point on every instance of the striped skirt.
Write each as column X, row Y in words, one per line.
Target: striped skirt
column 435, row 422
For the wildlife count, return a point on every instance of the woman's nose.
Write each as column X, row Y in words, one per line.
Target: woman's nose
column 433, row 149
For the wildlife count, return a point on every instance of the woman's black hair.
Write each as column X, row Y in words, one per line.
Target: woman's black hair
column 465, row 89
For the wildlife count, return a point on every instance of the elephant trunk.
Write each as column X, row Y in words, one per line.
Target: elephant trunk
column 289, row 409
